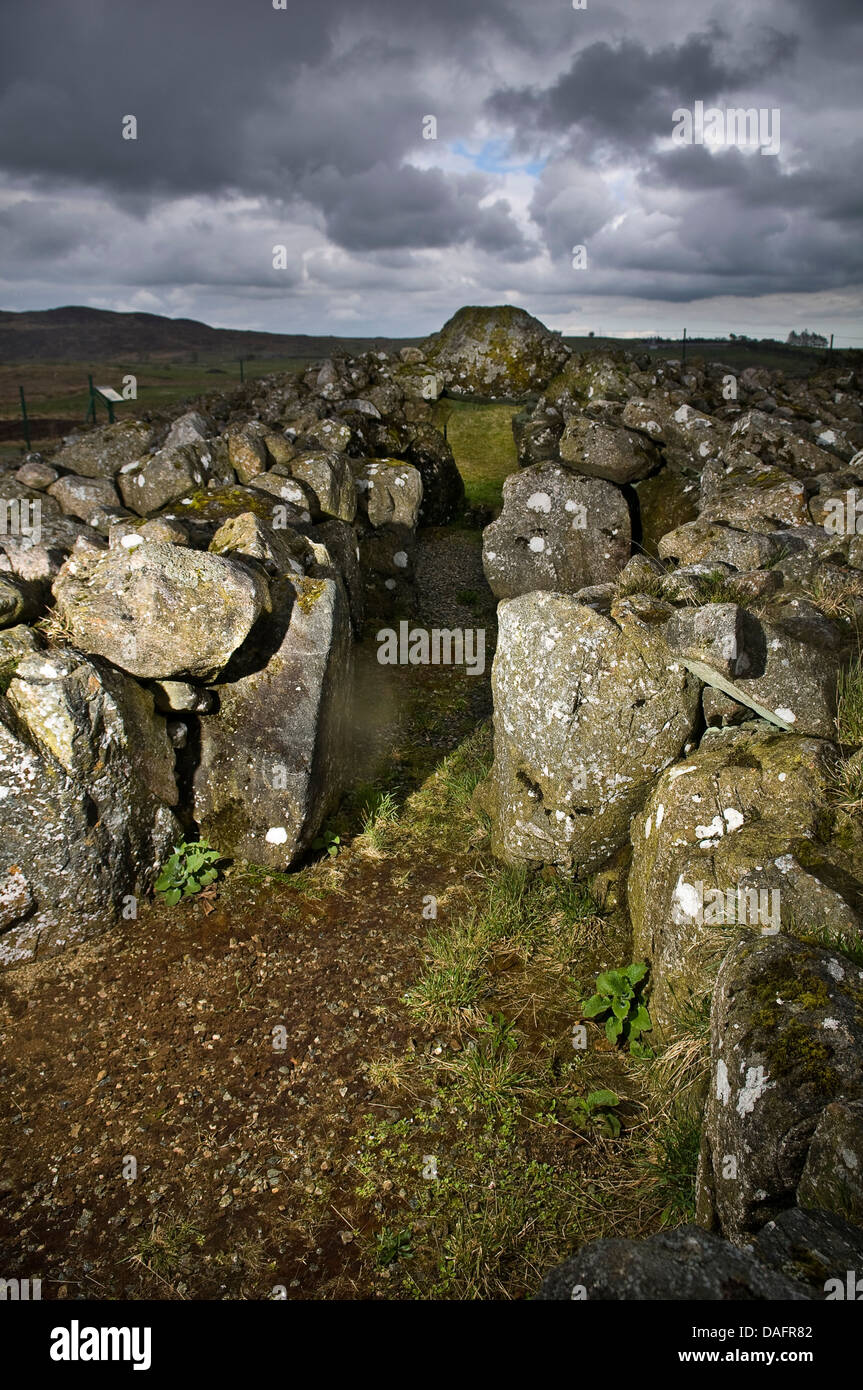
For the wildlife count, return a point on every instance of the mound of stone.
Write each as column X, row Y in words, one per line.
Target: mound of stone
column 498, row 352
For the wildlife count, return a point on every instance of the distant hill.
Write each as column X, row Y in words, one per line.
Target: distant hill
column 75, row 333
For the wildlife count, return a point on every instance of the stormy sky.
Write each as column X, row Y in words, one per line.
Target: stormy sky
column 303, row 127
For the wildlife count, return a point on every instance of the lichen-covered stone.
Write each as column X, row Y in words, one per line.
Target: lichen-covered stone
column 102, row 452
column 588, row 710
column 832, row 1177
column 499, row 352
column 734, row 836
column 600, row 452
column 161, row 611
column 161, row 478
column 274, row 760
column 87, row 781
column 786, row 1034
column 84, row 498
column 557, row 532
column 687, row 1264
column 330, row 478
column 390, row 492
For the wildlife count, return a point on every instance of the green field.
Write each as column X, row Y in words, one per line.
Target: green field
column 481, row 440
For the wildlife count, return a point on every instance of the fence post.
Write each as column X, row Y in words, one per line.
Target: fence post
column 24, row 414
column 683, row 362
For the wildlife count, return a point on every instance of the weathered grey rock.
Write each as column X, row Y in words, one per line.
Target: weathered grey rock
column 665, row 501
column 680, row 1265
column 15, row 643
column 588, row 709
column 557, row 532
column 388, row 550
column 280, row 451
column 716, row 847
column 692, row 438
column 273, row 762
column 722, row 636
column 720, row 711
column 280, row 552
column 390, row 492
column 832, row 1177
column 202, row 513
column 327, row 436
column 102, row 452
column 36, row 473
column 161, row 478
column 817, row 1249
column 443, row 486
column 179, row 697
column 778, row 441
column 19, row 600
column 645, row 416
column 641, row 570
column 84, row 498
column 785, row 671
column 247, row 450
column 191, row 428
column 343, row 547
column 159, row 528
column 704, row 541
column 752, row 498
column 330, row 478
column 537, row 436
column 588, row 376
column 161, row 611
column 786, row 1035
column 599, row 452
column 499, row 352
column 293, row 492
column 88, row 778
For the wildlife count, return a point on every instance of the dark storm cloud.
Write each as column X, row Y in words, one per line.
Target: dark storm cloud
column 824, row 190
column 626, row 92
column 407, row 207
column 213, row 87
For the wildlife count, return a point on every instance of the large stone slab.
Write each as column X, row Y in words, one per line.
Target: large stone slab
column 786, row 1037
column 86, row 790
column 557, row 532
column 160, row 611
column 588, row 710
column 273, row 761
column 735, row 836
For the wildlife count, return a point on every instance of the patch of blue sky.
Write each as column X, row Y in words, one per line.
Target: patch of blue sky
column 492, row 158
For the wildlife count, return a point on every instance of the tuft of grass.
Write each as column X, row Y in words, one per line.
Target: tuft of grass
column 847, row 943
column 655, row 585
column 849, row 703
column 838, row 595
column 378, row 822
column 523, row 917
column 715, row 587
column 168, row 1248
column 676, row 1144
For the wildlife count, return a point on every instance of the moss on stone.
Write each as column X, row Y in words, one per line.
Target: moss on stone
column 308, row 593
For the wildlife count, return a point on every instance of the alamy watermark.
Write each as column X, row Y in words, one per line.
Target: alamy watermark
column 736, row 125
column 843, row 516
column 438, row 647
column 21, row 517
column 750, row 907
